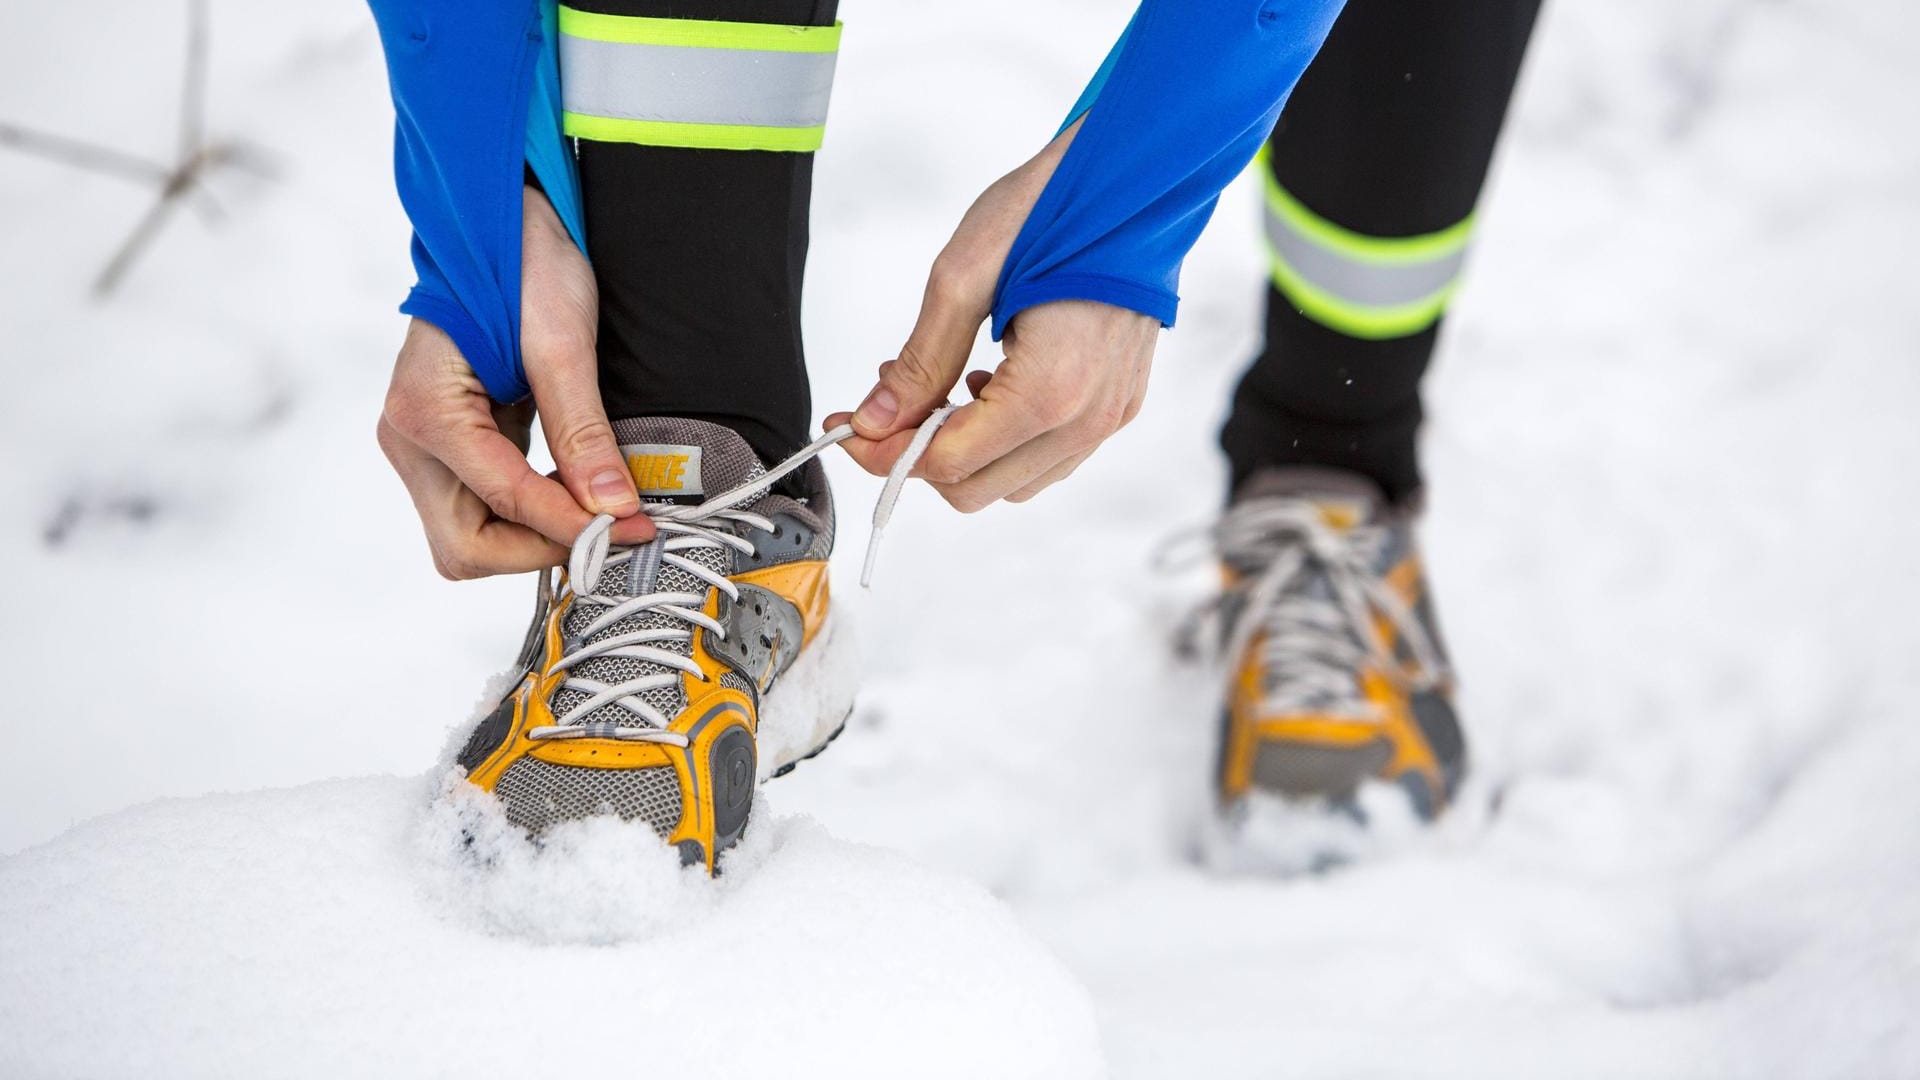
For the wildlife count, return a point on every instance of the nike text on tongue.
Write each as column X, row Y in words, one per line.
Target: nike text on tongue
column 661, row 469
column 1340, row 513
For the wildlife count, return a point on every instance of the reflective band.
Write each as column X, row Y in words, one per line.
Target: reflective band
column 1364, row 286
column 689, row 83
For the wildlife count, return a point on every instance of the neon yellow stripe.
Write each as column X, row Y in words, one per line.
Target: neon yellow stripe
column 1353, row 245
column 1357, row 320
column 699, row 34
column 691, row 136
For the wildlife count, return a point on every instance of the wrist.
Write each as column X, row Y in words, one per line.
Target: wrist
column 1145, row 298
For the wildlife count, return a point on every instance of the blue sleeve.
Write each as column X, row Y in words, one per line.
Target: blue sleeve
column 1180, row 106
column 464, row 76
column 548, row 154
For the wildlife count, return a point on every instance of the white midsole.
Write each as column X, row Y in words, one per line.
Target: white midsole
column 811, row 699
column 1272, row 835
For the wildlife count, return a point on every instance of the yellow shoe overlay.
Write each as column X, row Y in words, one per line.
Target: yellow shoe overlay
column 1305, row 754
column 715, row 771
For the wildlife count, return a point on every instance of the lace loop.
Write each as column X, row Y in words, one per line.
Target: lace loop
column 1313, row 641
column 680, row 528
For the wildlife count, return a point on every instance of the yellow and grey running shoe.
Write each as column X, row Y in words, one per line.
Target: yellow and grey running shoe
column 1336, row 672
column 655, row 678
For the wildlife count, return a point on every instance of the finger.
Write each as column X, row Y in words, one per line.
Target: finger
column 878, row 456
column 470, row 541
column 993, row 426
column 565, row 377
column 495, row 470
column 628, row 531
column 558, row 328
column 1014, row 407
column 500, row 547
column 466, row 540
column 918, row 381
column 1050, row 477
column 1012, row 472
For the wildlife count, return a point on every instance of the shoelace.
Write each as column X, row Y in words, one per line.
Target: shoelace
column 682, row 528
column 1312, row 645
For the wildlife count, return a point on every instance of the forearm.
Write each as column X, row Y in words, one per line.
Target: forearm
column 1181, row 106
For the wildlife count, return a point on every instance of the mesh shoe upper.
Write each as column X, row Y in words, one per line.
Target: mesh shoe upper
column 1338, row 670
column 726, row 462
column 672, row 784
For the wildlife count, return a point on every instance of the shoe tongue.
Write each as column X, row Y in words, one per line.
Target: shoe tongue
column 679, row 460
column 1344, row 499
column 673, row 460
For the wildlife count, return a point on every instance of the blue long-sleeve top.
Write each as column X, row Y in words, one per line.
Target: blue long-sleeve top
column 1180, row 106
column 476, row 101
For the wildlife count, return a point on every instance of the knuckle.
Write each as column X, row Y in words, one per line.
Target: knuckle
column 387, row 438
column 943, row 468
column 1108, row 416
column 915, row 367
column 556, row 341
column 403, row 413
column 502, row 498
column 587, row 441
column 952, row 281
column 1050, row 407
column 966, row 500
column 865, row 459
column 454, row 567
column 523, row 494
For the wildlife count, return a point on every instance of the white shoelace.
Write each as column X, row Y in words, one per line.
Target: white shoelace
column 1312, row 645
column 681, row 528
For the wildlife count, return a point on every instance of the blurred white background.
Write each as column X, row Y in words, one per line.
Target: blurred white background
column 1671, row 448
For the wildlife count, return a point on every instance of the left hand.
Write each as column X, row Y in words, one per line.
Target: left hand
column 1075, row 371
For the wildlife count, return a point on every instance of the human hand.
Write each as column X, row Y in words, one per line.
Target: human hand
column 1075, row 371
column 463, row 457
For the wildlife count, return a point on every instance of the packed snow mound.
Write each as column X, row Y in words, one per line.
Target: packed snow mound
column 378, row 926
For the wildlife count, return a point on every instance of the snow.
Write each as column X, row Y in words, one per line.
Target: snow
column 323, row 929
column 1670, row 448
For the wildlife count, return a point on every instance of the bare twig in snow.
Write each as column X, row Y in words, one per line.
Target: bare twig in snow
column 82, row 155
column 181, row 181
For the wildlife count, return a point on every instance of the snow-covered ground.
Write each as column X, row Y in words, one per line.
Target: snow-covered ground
column 1672, row 447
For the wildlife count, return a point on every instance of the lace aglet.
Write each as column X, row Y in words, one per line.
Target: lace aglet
column 897, row 480
column 873, row 556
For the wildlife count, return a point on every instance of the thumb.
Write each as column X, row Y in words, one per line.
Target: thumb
column 566, row 392
column 931, row 361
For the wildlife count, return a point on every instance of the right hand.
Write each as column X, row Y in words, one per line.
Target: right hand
column 463, row 457
column 1075, row 371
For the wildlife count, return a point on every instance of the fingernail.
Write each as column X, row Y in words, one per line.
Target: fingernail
column 610, row 490
column 879, row 409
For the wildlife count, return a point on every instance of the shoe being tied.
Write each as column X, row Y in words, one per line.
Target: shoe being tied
column 654, row 677
column 1337, row 674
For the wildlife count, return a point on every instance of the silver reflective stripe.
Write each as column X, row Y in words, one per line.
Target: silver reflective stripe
column 1364, row 282
column 681, row 85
